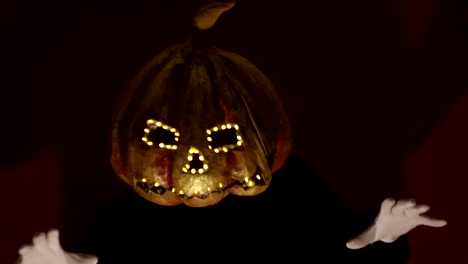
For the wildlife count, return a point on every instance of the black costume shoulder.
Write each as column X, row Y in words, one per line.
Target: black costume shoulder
column 296, row 218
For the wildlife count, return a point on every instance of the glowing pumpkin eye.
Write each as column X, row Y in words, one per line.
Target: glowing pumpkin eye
column 159, row 134
column 224, row 137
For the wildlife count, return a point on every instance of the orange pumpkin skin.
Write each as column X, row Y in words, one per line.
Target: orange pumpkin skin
column 196, row 124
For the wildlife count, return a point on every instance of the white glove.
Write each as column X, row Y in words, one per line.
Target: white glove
column 394, row 220
column 46, row 249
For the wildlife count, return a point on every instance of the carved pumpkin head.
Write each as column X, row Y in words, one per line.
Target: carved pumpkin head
column 199, row 123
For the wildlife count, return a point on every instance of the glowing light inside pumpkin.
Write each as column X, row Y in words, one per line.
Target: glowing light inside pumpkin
column 154, row 126
column 221, row 138
column 196, row 162
column 198, row 189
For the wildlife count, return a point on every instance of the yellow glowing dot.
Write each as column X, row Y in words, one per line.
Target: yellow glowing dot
column 200, row 171
column 173, row 190
column 228, row 126
column 184, row 169
column 205, row 166
column 246, row 179
column 223, row 127
column 216, row 150
column 176, row 134
column 143, row 180
column 149, row 143
column 187, row 166
column 193, row 171
column 147, row 130
column 165, row 127
column 173, row 130
column 144, row 139
column 156, row 184
column 195, row 151
column 239, row 143
column 239, row 138
column 251, row 183
column 190, row 158
column 225, row 149
column 215, row 129
column 181, row 192
column 209, row 139
column 258, row 176
column 174, row 147
column 208, row 132
column 201, row 158
column 168, row 146
column 161, row 145
column 196, row 192
column 158, row 124
column 220, row 185
column 176, row 139
column 210, row 147
column 236, row 127
column 150, row 121
column 209, row 189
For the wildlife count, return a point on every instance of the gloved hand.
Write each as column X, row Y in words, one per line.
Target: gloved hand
column 394, row 220
column 46, row 249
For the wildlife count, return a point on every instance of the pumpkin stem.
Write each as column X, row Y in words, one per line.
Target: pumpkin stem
column 207, row 15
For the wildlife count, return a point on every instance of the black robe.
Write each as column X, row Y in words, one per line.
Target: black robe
column 296, row 219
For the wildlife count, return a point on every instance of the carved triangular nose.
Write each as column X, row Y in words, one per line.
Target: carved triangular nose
column 196, row 163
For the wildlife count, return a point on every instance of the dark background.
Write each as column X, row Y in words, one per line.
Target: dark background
column 376, row 92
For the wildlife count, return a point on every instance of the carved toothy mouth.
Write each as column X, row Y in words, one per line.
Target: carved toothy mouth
column 156, row 189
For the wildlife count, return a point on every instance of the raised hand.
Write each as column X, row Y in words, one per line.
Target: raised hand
column 394, row 220
column 46, row 249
